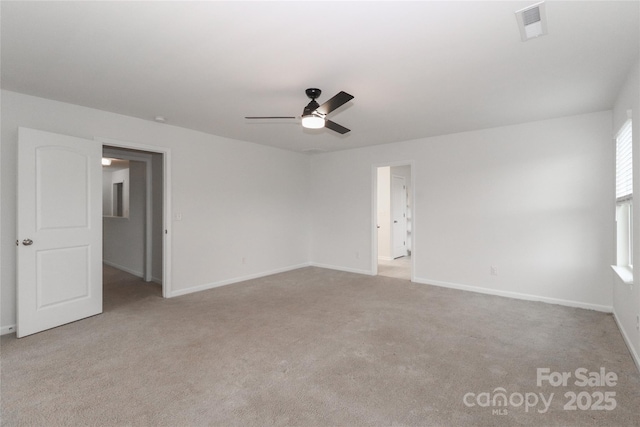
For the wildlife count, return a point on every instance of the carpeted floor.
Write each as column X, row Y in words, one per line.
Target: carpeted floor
column 315, row 347
column 400, row 268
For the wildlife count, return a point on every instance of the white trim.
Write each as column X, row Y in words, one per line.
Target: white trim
column 125, row 269
column 374, row 220
column 627, row 341
column 385, row 258
column 231, row 281
column 516, row 295
column 166, row 245
column 9, row 329
column 166, row 202
column 341, row 268
column 625, row 273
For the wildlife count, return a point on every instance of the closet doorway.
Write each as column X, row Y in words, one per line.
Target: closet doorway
column 393, row 221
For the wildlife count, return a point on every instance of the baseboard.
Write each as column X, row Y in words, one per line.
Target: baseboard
column 516, row 295
column 10, row 329
column 125, row 269
column 340, row 268
column 204, row 287
column 627, row 341
column 156, row 280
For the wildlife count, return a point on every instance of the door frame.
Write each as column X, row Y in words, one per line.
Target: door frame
column 374, row 214
column 166, row 205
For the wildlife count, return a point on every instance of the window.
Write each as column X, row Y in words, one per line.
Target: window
column 115, row 189
column 624, row 197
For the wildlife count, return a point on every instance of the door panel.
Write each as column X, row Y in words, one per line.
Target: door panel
column 61, row 198
column 61, row 276
column 59, row 230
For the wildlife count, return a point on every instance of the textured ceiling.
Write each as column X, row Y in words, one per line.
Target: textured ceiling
column 416, row 69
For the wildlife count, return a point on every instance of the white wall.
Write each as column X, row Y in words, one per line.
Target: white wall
column 107, row 189
column 238, row 199
column 534, row 200
column 626, row 298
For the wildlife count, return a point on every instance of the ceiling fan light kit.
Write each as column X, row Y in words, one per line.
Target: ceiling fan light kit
column 314, row 114
column 313, row 121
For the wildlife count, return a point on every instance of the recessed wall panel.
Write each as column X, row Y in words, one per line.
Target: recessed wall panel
column 61, row 197
column 62, row 276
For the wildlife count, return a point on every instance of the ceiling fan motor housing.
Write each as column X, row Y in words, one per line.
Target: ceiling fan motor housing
column 313, row 93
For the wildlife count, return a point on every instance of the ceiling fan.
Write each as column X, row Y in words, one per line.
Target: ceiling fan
column 314, row 115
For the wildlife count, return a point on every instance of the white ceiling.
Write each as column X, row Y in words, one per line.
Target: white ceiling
column 416, row 69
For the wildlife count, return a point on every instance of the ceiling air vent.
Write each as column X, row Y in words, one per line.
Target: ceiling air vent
column 532, row 21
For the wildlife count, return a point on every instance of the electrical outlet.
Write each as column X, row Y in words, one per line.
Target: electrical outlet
column 494, row 270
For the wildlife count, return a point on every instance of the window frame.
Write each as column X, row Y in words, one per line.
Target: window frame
column 624, row 196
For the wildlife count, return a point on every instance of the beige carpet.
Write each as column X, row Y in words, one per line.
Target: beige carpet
column 313, row 347
column 400, row 268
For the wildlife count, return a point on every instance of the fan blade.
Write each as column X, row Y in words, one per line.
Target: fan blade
column 335, row 102
column 271, row 117
column 336, row 127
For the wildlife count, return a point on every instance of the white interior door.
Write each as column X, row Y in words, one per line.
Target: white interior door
column 59, row 230
column 399, row 215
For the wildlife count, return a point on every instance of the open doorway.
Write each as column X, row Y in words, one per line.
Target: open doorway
column 132, row 212
column 394, row 221
column 132, row 224
column 136, row 247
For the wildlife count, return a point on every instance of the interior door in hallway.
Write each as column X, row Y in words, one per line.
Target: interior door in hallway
column 399, row 215
column 59, row 230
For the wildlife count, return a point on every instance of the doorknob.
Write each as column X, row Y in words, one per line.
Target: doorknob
column 27, row 242
column 395, row 222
